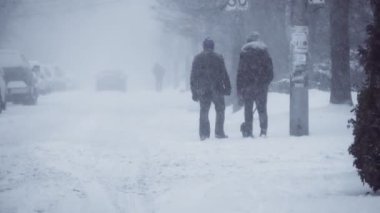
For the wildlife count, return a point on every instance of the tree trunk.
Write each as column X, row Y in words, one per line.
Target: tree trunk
column 374, row 65
column 340, row 53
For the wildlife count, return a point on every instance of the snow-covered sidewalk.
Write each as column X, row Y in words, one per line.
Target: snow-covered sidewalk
column 139, row 152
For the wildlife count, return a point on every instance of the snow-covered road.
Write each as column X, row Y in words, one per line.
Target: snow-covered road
column 139, row 152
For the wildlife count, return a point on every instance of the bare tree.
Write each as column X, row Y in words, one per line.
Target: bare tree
column 6, row 8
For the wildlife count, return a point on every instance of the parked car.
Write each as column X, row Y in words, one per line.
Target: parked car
column 41, row 81
column 46, row 76
column 19, row 77
column 111, row 80
column 3, row 91
column 53, row 79
column 43, row 77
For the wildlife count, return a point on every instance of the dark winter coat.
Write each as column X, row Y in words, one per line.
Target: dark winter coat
column 255, row 70
column 209, row 75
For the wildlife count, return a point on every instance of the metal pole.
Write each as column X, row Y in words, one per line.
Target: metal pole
column 299, row 94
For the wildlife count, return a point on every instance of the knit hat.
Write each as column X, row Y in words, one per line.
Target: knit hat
column 208, row 44
column 254, row 36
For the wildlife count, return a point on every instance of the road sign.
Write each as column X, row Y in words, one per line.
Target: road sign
column 316, row 1
column 299, row 59
column 300, row 39
column 233, row 5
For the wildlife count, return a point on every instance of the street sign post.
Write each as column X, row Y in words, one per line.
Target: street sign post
column 236, row 8
column 299, row 94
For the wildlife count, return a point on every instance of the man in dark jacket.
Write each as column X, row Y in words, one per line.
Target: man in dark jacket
column 255, row 73
column 209, row 83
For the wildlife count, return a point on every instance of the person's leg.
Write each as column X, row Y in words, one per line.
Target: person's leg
column 247, row 127
column 261, row 103
column 204, row 123
column 220, row 107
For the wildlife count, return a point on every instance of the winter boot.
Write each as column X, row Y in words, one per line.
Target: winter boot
column 245, row 131
column 221, row 136
column 203, row 137
column 263, row 133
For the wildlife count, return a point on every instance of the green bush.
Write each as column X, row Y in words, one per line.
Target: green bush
column 366, row 146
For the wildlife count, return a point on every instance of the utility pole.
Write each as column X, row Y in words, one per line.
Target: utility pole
column 299, row 44
column 236, row 8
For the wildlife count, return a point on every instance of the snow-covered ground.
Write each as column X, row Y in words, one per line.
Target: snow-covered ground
column 84, row 151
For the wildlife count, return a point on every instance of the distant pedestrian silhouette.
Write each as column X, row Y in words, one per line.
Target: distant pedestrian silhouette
column 159, row 73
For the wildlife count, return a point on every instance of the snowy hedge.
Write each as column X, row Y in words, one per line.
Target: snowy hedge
column 366, row 147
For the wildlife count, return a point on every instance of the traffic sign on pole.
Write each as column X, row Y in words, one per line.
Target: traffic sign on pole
column 299, row 95
column 299, row 39
column 233, row 5
column 316, row 1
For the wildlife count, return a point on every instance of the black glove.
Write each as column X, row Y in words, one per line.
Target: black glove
column 195, row 98
column 227, row 92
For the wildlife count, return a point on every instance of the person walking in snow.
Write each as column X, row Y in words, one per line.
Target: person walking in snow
column 159, row 73
column 255, row 72
column 209, row 82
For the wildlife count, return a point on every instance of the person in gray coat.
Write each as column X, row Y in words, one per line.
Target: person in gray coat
column 255, row 73
column 159, row 73
column 209, row 83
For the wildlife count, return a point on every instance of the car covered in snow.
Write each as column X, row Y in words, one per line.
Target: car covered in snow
column 19, row 77
column 3, row 91
column 115, row 80
column 51, row 79
column 42, row 83
column 45, row 85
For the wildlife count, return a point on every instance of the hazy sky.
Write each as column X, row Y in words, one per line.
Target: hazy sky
column 86, row 36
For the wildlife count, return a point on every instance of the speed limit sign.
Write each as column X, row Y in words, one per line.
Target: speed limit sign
column 243, row 3
column 316, row 1
column 237, row 5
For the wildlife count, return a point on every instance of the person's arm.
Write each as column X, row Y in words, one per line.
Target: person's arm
column 268, row 64
column 270, row 70
column 193, row 79
column 226, row 79
column 240, row 80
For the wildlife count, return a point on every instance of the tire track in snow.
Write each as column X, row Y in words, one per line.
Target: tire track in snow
column 91, row 136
